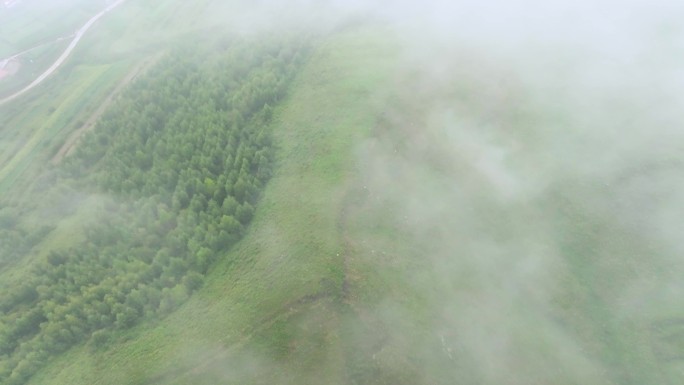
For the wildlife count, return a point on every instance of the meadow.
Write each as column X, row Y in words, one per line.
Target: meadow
column 438, row 221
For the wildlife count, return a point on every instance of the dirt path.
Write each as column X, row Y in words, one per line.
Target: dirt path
column 73, row 139
column 65, row 55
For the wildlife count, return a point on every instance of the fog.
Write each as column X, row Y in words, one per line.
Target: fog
column 529, row 166
column 534, row 163
column 519, row 203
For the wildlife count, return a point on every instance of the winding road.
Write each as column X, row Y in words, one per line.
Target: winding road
column 67, row 52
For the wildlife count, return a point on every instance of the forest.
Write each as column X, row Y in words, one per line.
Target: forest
column 181, row 157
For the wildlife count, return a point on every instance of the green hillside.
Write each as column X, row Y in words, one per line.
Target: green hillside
column 288, row 270
column 327, row 205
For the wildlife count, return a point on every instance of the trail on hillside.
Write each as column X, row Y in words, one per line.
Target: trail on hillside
column 65, row 55
column 72, row 141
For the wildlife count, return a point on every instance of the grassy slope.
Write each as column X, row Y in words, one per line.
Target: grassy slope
column 287, row 272
column 273, row 311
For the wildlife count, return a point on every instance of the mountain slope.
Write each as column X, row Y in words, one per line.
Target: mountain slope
column 272, row 311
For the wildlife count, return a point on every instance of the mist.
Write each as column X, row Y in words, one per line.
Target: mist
column 513, row 214
column 534, row 161
column 528, row 162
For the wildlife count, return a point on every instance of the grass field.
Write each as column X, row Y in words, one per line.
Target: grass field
column 413, row 232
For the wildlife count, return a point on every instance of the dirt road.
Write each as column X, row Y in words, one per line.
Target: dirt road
column 67, row 52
